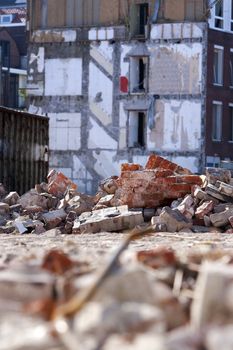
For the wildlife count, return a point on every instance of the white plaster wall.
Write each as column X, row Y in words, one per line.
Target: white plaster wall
column 106, row 50
column 177, row 30
column 101, row 33
column 106, row 164
column 39, row 58
column 65, row 131
column 63, row 77
column 125, row 65
column 191, row 163
column 35, row 89
column 177, row 126
column 80, row 170
column 98, row 137
column 67, row 35
column 100, row 83
column 176, row 68
column 123, row 116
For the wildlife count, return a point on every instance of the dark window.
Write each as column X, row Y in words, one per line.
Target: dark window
column 137, row 129
column 5, row 53
column 138, row 74
column 231, row 68
column 217, row 122
column 219, row 14
column 218, row 66
column 231, row 122
column 143, row 15
column 138, row 19
column 232, row 15
column 141, row 129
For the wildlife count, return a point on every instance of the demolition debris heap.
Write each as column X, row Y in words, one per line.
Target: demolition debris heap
column 170, row 196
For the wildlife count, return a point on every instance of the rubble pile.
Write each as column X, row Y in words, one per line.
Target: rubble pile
column 155, row 298
column 145, row 299
column 170, row 196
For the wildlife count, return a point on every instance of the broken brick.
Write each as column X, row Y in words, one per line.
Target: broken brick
column 53, row 218
column 130, row 167
column 174, row 220
column 58, row 183
column 57, row 262
column 221, row 219
column 156, row 258
column 12, row 198
column 204, row 209
column 218, row 174
column 4, row 208
column 108, row 220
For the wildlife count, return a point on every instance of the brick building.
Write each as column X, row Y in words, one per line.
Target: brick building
column 13, row 56
column 219, row 112
column 119, row 79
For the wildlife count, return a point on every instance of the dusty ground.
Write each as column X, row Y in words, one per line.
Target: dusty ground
column 97, row 247
column 30, row 249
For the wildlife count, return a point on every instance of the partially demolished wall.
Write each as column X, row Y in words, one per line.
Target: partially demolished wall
column 112, row 100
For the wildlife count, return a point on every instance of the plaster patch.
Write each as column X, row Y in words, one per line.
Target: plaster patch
column 105, row 164
column 63, row 77
column 80, row 170
column 98, row 137
column 39, row 58
column 100, row 85
column 179, row 122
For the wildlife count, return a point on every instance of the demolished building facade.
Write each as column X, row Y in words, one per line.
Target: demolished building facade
column 119, row 80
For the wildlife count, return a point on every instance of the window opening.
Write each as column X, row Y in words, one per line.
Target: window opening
column 138, row 19
column 138, row 74
column 218, row 21
column 218, row 66
column 137, row 129
column 231, row 68
column 217, row 121
column 232, row 15
column 231, row 122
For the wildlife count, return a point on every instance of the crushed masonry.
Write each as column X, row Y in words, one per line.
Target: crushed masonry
column 158, row 298
column 173, row 197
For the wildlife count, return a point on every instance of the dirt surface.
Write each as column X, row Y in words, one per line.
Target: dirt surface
column 97, row 247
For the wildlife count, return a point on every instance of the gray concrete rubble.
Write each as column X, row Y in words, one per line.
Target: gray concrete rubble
column 86, row 272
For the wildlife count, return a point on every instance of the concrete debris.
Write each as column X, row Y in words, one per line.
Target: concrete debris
column 218, row 174
column 213, row 298
column 174, row 198
column 110, row 220
column 58, row 183
column 173, row 219
column 153, row 298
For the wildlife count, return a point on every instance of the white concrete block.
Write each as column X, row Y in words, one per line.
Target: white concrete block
column 191, row 163
column 99, row 83
column 123, row 116
column 125, row 65
column 69, row 35
column 101, row 34
column 98, row 137
column 61, row 139
column 92, row 34
column 63, row 77
column 39, row 58
column 74, row 139
column 66, row 171
column 71, row 120
column 105, row 164
column 110, row 33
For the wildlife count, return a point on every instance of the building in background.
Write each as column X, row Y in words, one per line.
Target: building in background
column 119, row 79
column 219, row 113
column 13, row 53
